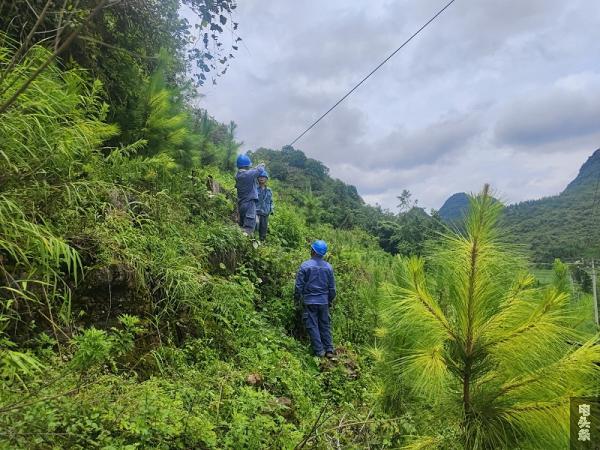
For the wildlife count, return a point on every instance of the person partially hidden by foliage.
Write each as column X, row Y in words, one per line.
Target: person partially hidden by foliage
column 315, row 285
column 265, row 205
column 247, row 192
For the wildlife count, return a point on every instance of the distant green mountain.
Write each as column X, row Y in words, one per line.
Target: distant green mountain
column 454, row 208
column 565, row 226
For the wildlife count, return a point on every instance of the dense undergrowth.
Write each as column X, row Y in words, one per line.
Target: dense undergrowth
column 135, row 314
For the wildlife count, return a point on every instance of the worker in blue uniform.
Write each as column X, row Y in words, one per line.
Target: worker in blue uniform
column 315, row 285
column 247, row 192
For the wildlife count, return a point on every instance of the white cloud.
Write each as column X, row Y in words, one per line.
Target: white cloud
column 548, row 114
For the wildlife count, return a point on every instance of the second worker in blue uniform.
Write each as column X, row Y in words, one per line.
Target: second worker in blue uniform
column 315, row 285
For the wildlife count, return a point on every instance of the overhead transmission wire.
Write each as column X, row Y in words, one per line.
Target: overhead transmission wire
column 415, row 34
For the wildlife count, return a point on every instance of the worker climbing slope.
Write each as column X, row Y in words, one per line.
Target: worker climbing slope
column 315, row 285
column 265, row 205
column 247, row 192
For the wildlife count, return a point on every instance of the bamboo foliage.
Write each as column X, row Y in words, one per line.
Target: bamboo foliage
column 52, row 127
column 469, row 333
column 49, row 141
column 29, row 245
column 21, row 88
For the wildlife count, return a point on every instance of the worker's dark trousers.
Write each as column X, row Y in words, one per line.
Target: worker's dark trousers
column 247, row 210
column 318, row 327
column 262, row 224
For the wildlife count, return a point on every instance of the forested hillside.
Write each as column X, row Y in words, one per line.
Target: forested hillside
column 563, row 226
column 307, row 183
column 135, row 314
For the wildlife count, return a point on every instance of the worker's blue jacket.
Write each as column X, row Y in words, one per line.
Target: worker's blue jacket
column 265, row 201
column 246, row 184
column 315, row 282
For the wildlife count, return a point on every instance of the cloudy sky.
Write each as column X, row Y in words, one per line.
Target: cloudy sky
column 498, row 91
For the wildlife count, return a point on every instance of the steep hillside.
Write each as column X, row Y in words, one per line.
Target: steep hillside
column 588, row 175
column 133, row 311
column 565, row 226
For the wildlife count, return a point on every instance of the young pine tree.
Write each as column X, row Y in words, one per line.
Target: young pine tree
column 490, row 359
column 162, row 119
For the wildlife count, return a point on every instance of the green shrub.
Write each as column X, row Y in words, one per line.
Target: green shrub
column 287, row 226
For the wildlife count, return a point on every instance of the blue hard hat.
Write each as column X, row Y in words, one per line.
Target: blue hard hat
column 243, row 161
column 320, row 247
column 263, row 173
